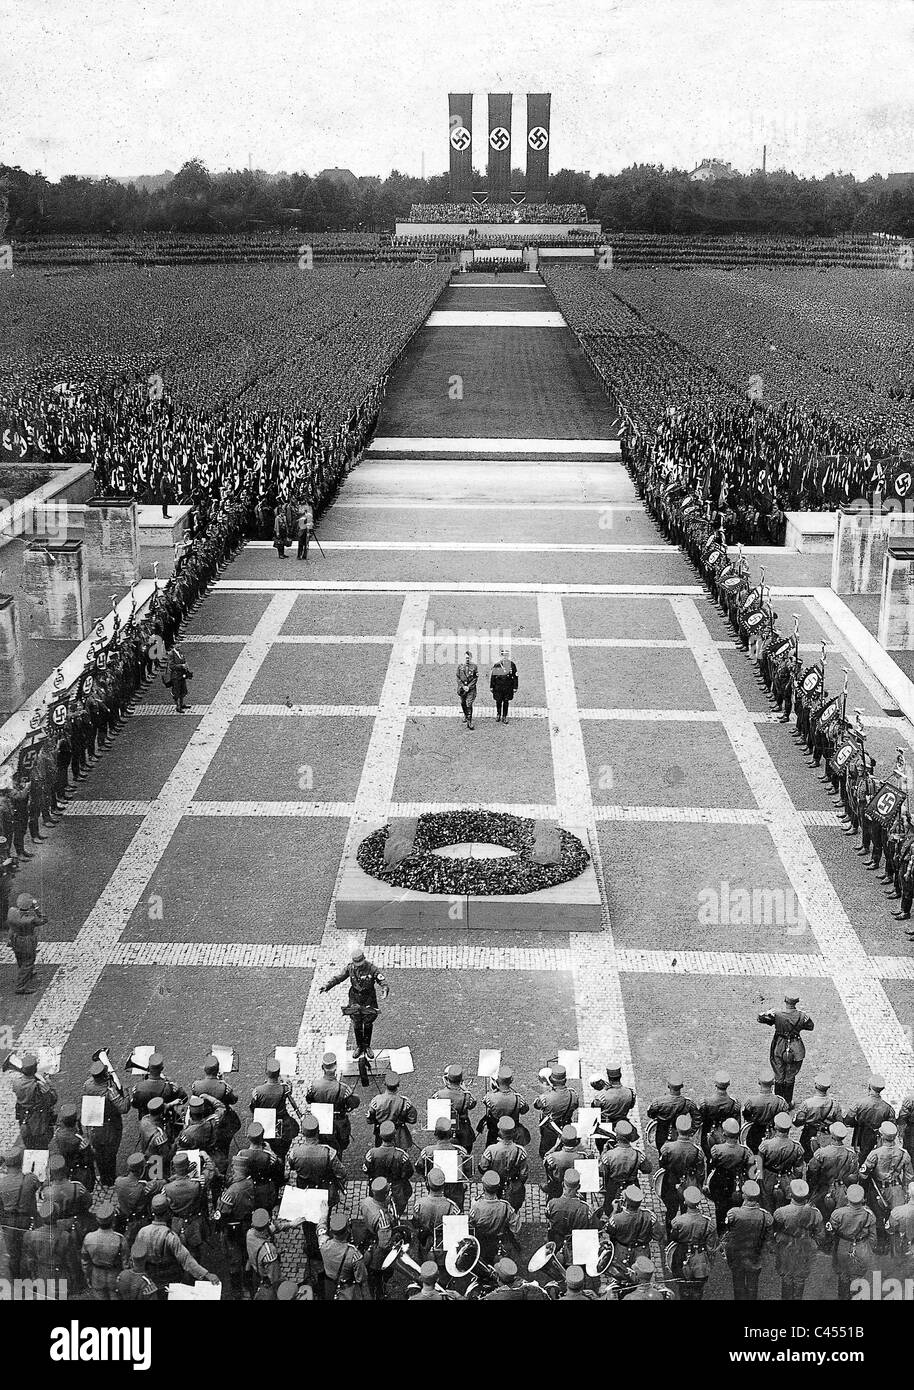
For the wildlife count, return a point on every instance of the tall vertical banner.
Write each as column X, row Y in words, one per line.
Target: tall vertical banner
column 499, row 136
column 538, row 105
column 460, row 138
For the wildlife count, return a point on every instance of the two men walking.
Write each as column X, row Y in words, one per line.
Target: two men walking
column 503, row 683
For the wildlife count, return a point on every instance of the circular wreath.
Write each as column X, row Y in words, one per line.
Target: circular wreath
column 427, row 872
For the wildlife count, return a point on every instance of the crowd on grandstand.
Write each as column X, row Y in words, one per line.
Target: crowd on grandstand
column 498, row 212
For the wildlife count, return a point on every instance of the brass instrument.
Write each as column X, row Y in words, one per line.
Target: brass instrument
column 102, row 1055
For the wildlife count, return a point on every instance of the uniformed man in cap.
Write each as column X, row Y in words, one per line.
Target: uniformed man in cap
column 274, row 1094
column 188, row 1203
column 428, row 1216
column 374, row 1233
column 462, row 1103
column 49, row 1253
column 315, row 1164
column 399, row 1110
column 329, row 1090
column 69, row 1141
column 493, row 1221
column 212, row 1085
column 866, row 1115
column 832, row 1169
column 429, row 1291
column 787, row 1048
column 692, row 1236
column 160, row 1255
column 885, row 1174
column 365, row 979
column 455, row 1191
column 906, row 1124
column 510, row 1288
column 36, row 1101
column 568, row 1213
column 105, row 1139
column 814, row 1115
column 713, row 1110
column 665, row 1109
column 509, row 1161
column 291, row 1291
column 345, row 1278
column 746, row 1232
column 799, row 1233
column 133, row 1194
column 23, row 922
column 387, row 1160
column 560, row 1159
column 645, row 1290
column 103, row 1255
column 233, row 1217
column 71, row 1203
column 575, row 1292
column 133, row 1287
column 557, row 1104
column 854, row 1230
column 156, row 1083
column 616, row 1101
column 503, row 1100
column 262, row 1269
column 779, row 1159
column 201, row 1131
column 156, row 1145
column 620, row 1164
column 632, row 1229
column 683, row 1166
column 900, row 1229
column 18, row 1205
column 759, row 1111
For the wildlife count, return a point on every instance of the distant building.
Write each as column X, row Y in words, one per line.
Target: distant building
column 343, row 176
column 898, row 181
column 710, row 170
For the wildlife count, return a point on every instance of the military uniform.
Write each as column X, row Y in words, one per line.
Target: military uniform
column 493, row 1221
column 364, row 978
column 683, row 1166
column 262, row 1267
column 854, row 1230
column 787, row 1051
column 713, row 1110
column 667, row 1108
column 428, row 1218
column 18, row 1205
column 632, row 1229
column 462, row 1103
column 558, row 1104
column 398, row 1110
column 691, row 1233
column 73, row 1147
column 509, row 1161
column 830, row 1171
column 233, row 1212
column 620, row 1166
column 814, row 1115
column 133, row 1194
column 274, row 1094
column 866, row 1115
column 385, row 1160
column 569, row 1213
column 328, row 1090
column 103, row 1256
column 747, row 1229
column 455, row 1191
column 503, row 1101
column 781, row 1159
column 759, row 1112
column 345, row 1278
column 105, row 1139
column 798, row 1232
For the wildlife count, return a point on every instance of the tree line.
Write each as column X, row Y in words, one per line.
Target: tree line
column 642, row 198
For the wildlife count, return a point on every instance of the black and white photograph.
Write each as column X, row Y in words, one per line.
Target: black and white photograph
column 456, row 674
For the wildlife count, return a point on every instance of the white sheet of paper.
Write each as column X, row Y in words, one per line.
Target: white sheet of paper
column 437, row 1110
column 323, row 1113
column 195, row 1158
column 92, row 1114
column 489, row 1062
column 455, row 1229
column 227, row 1060
column 300, row 1204
column 401, row 1061
column 585, row 1120
column 585, row 1247
column 35, row 1161
column 589, row 1170
column 287, row 1057
column 202, row 1291
column 141, row 1055
column 48, row 1060
column 571, row 1061
column 336, row 1043
column 448, row 1160
column 267, row 1118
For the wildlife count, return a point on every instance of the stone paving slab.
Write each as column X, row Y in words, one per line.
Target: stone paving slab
column 289, row 759
column 472, row 766
column 321, row 675
column 140, row 759
column 596, row 525
column 342, row 613
column 662, row 764
column 662, row 680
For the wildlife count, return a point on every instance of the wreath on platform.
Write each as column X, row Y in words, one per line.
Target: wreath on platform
column 427, row 872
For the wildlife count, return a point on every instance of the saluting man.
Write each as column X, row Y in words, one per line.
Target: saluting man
column 365, row 979
column 787, row 1048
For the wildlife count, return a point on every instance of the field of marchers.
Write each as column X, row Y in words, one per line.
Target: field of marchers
column 259, row 337
column 838, row 339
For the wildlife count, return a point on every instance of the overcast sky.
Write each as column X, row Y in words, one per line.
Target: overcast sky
column 129, row 87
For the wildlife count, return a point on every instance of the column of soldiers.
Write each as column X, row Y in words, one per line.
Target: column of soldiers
column 828, row 1176
column 872, row 804
column 37, row 793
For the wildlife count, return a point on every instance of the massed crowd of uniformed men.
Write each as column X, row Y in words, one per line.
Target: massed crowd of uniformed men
column 826, row 1174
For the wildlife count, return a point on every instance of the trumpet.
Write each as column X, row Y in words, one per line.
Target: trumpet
column 14, row 1063
column 543, row 1257
column 398, row 1255
column 102, row 1055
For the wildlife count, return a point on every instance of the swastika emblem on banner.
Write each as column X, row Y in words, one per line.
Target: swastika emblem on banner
column 499, row 138
column 460, row 137
column 538, row 138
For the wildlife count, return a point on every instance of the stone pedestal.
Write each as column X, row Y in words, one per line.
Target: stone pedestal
column 112, row 541
column 158, row 536
column 12, row 670
column 860, row 544
column 809, row 532
column 56, row 590
column 896, row 610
